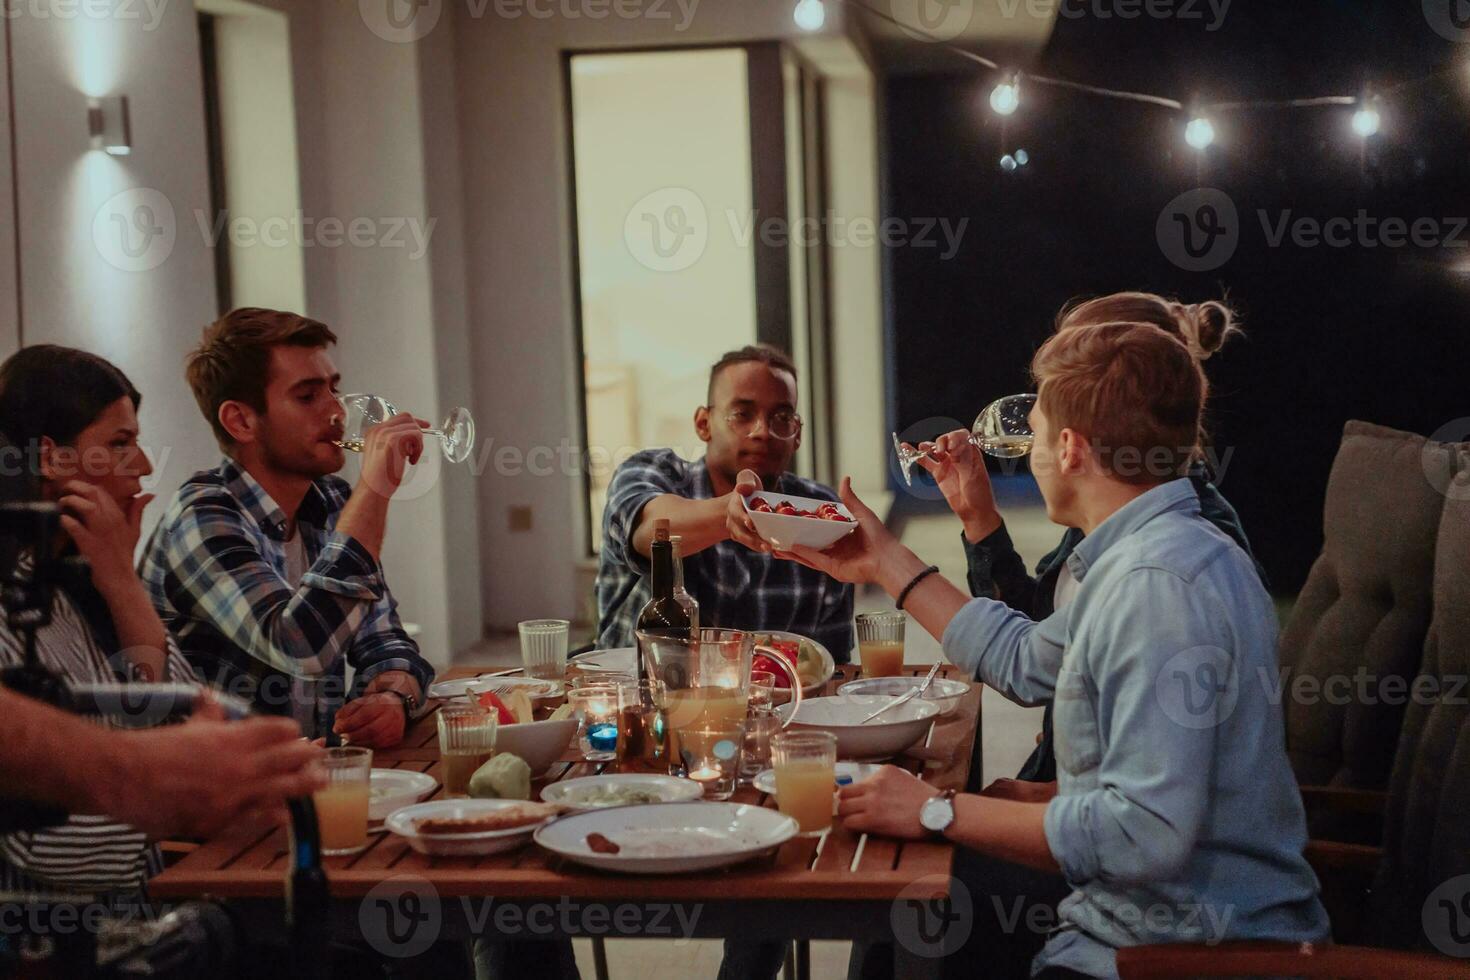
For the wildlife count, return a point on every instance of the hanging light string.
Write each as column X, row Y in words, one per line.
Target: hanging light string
column 1199, row 111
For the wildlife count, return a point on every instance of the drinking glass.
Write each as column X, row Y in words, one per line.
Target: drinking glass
column 642, row 731
column 342, row 807
column 544, row 648
column 712, row 754
column 596, row 710
column 806, row 777
column 880, row 643
column 762, row 692
column 755, row 752
column 1003, row 430
column 456, row 434
column 466, row 742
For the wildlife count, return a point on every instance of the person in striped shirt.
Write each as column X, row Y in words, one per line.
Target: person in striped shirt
column 72, row 418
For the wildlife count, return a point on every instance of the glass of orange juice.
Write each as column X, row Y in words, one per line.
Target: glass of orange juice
column 342, row 807
column 466, row 742
column 880, row 643
column 806, row 777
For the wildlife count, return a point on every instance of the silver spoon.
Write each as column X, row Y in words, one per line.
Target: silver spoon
column 914, row 693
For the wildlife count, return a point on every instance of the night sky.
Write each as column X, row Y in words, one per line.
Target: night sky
column 1333, row 333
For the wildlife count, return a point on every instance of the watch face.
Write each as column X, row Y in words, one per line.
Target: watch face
column 936, row 814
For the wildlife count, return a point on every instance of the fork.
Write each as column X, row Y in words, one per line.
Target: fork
column 906, row 698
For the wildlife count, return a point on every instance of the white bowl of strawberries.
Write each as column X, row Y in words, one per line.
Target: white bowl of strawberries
column 787, row 521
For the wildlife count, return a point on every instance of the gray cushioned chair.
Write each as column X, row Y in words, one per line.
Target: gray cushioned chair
column 1365, row 606
column 1426, row 831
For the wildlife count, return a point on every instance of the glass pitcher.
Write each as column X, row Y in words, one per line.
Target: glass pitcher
column 705, row 680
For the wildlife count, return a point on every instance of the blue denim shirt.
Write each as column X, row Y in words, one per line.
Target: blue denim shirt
column 1177, row 818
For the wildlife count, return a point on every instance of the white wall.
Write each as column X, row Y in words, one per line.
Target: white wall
column 519, row 252
column 372, row 132
column 9, row 287
column 79, row 286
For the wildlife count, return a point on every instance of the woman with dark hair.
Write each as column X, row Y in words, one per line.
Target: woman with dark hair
column 71, row 420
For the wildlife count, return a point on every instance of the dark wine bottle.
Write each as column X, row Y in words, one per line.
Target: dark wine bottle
column 668, row 613
column 673, row 613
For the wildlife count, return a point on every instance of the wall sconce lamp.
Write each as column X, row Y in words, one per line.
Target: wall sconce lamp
column 107, row 120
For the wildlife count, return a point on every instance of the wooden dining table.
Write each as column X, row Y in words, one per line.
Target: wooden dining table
column 839, row 886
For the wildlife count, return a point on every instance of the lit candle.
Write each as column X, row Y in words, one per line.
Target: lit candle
column 602, row 736
column 706, row 774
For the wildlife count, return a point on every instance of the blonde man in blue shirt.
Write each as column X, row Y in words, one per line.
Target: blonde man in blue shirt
column 1176, row 818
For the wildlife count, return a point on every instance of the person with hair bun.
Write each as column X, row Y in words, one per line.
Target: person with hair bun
column 996, row 569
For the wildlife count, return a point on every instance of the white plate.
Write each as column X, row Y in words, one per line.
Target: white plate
column 625, row 659
column 784, row 531
column 882, row 738
column 943, row 692
column 391, row 789
column 537, row 689
column 728, row 833
column 856, row 772
column 669, row 789
column 401, row 822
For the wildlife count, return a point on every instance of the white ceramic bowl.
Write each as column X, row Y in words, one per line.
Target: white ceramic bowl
column 401, row 822
column 540, row 743
column 943, row 692
column 728, row 833
column 783, row 531
column 882, row 738
column 391, row 789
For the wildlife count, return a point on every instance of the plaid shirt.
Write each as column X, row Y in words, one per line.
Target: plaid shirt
column 736, row 588
column 216, row 570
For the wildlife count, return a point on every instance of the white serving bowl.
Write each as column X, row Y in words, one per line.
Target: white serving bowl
column 882, row 738
column 943, row 692
column 391, row 789
column 401, row 822
column 540, row 743
column 784, row 531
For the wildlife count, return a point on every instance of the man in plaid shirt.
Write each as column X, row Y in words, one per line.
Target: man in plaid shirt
column 752, row 431
column 266, row 568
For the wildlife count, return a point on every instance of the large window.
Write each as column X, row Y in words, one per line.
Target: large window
column 688, row 166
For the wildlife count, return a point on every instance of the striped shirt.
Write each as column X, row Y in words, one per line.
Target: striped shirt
column 216, row 568
column 736, row 588
column 87, row 853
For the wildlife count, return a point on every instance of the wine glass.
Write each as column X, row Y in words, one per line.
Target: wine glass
column 456, row 434
column 1002, row 430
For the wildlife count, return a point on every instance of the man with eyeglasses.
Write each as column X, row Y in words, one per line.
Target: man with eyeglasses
column 751, row 430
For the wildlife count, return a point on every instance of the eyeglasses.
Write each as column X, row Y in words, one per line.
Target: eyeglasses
column 781, row 424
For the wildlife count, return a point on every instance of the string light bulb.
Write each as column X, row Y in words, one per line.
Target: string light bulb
column 1006, row 97
column 1200, row 132
column 810, row 15
column 1366, row 121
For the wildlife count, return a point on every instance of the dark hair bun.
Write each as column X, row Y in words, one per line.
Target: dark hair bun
column 1205, row 327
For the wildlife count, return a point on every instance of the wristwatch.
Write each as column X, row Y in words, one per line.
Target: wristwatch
column 937, row 813
column 410, row 705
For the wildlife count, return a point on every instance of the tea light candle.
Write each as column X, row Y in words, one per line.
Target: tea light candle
column 706, row 774
column 602, row 736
